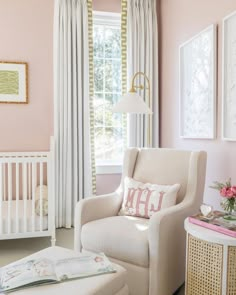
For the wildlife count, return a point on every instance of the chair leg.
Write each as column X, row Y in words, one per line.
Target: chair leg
column 180, row 290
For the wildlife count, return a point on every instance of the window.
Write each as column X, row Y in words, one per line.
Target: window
column 110, row 128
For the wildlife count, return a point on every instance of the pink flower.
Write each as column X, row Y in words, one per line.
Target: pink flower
column 223, row 192
column 230, row 193
column 227, row 192
column 233, row 189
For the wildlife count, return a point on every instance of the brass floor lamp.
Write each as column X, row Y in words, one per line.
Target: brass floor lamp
column 133, row 103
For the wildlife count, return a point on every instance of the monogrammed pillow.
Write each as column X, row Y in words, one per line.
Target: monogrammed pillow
column 144, row 199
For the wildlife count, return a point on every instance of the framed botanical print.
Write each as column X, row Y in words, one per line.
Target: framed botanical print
column 229, row 78
column 13, row 82
column 198, row 85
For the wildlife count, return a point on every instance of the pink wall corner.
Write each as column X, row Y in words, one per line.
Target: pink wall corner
column 26, row 30
column 180, row 20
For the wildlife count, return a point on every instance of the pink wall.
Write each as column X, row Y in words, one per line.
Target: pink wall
column 107, row 183
column 26, row 30
column 180, row 20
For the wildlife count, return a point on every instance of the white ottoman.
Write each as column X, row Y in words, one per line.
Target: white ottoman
column 107, row 284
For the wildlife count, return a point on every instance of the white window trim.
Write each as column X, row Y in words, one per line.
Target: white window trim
column 107, row 18
column 108, row 169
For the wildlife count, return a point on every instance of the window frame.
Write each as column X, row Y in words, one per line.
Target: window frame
column 107, row 19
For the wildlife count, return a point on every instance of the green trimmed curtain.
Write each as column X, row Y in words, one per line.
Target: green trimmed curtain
column 75, row 177
column 140, row 54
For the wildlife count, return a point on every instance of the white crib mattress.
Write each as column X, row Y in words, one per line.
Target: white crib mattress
column 21, row 219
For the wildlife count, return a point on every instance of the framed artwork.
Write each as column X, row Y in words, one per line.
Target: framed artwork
column 198, row 85
column 13, row 82
column 229, row 78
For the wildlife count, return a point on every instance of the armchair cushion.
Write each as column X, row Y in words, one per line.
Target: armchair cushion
column 144, row 199
column 120, row 237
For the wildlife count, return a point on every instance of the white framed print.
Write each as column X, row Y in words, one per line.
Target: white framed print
column 198, row 85
column 13, row 82
column 229, row 78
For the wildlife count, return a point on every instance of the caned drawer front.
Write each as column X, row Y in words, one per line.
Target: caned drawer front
column 204, row 267
column 231, row 271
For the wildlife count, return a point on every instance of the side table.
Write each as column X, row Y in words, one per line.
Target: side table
column 210, row 262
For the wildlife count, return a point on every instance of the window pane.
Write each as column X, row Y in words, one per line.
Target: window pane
column 112, row 119
column 113, row 144
column 110, row 127
column 113, row 76
column 98, row 44
column 112, row 42
column 99, row 109
column 98, row 75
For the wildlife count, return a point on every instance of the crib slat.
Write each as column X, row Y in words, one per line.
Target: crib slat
column 29, row 181
column 24, row 179
column 9, row 201
column 4, row 182
column 34, row 177
column 1, row 196
column 17, row 197
column 41, row 196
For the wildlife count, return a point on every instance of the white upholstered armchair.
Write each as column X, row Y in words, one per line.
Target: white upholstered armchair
column 152, row 250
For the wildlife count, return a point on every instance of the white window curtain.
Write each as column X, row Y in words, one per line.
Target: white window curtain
column 142, row 56
column 72, row 108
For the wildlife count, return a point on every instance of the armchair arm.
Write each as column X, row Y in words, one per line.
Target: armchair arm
column 167, row 237
column 167, row 244
column 92, row 209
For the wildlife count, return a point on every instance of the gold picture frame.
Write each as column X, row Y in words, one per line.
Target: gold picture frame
column 13, row 82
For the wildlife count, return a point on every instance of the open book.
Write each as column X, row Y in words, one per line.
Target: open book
column 44, row 271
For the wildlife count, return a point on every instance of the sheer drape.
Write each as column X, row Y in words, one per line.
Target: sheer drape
column 72, row 110
column 142, row 55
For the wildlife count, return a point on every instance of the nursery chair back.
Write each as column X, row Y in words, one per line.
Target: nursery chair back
column 168, row 166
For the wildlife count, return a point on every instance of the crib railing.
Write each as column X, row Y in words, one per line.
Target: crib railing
column 21, row 173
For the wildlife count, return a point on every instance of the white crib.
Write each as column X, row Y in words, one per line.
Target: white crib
column 20, row 174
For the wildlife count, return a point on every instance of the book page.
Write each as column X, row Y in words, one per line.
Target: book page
column 84, row 266
column 28, row 272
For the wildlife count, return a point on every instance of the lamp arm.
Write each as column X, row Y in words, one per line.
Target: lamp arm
column 134, row 87
column 148, row 88
column 133, row 79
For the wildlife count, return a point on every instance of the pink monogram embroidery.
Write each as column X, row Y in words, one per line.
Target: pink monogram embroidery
column 140, row 192
column 145, row 202
column 153, row 210
column 130, row 197
column 145, row 199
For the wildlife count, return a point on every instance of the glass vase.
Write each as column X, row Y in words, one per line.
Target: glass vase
column 229, row 206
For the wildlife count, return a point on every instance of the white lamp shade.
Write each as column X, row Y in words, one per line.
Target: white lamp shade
column 131, row 102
